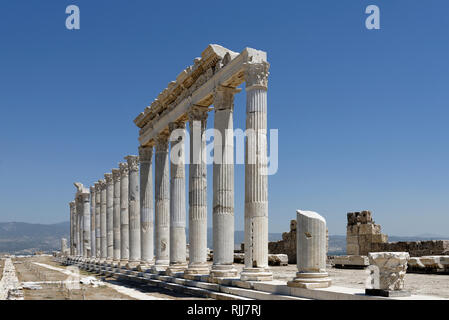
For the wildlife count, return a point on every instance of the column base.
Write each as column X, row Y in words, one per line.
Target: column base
column 115, row 263
column 132, row 265
column 223, row 271
column 256, row 274
column 311, row 280
column 122, row 264
column 176, row 269
column 196, row 269
column 108, row 262
column 159, row 267
column 144, row 266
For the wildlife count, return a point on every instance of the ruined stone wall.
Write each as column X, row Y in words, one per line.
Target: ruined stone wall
column 288, row 243
column 362, row 234
column 415, row 248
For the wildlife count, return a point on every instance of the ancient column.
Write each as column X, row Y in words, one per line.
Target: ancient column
column 162, row 204
column 134, row 212
column 85, row 196
column 103, row 229
column 124, row 217
column 197, row 193
column 311, row 252
column 79, row 224
column 93, row 243
column 97, row 221
column 223, row 184
column 146, row 207
column 256, row 179
column 64, row 246
column 116, row 216
column 72, row 228
column 109, row 217
column 178, row 260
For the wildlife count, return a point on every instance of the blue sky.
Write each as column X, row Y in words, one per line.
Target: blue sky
column 362, row 114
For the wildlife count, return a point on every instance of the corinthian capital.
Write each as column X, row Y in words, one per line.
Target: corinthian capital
column 133, row 162
column 224, row 97
column 197, row 113
column 116, row 175
column 102, row 184
column 123, row 168
column 256, row 75
column 145, row 154
column 162, row 141
column 108, row 178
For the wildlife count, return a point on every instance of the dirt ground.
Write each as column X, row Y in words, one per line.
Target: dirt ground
column 27, row 271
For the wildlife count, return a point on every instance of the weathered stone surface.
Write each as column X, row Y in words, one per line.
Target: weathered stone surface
column 388, row 270
column 277, row 259
column 311, row 251
column 352, row 261
column 415, row 248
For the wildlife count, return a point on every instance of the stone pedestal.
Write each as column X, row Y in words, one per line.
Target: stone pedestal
column 134, row 212
column 223, row 185
column 178, row 259
column 162, row 204
column 311, row 251
column 146, row 207
column 116, row 216
column 256, row 179
column 197, row 193
column 388, row 271
column 124, row 217
column 109, row 217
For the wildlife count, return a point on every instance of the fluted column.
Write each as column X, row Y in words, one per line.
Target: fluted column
column 146, row 206
column 103, row 226
column 97, row 221
column 256, row 179
column 197, row 193
column 72, row 228
column 116, row 216
column 134, row 212
column 178, row 259
column 223, row 184
column 93, row 250
column 109, row 217
column 79, row 224
column 124, row 217
column 85, row 198
column 162, row 204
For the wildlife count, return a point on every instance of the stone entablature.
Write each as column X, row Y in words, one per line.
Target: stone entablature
column 196, row 85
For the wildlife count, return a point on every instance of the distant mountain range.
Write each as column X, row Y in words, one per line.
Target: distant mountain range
column 27, row 238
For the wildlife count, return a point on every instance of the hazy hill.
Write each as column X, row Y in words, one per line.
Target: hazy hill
column 26, row 238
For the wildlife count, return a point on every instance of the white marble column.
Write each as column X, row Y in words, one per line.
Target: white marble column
column 124, row 217
column 97, row 221
column 256, row 179
column 109, row 217
column 197, row 193
column 178, row 259
column 79, row 224
column 162, row 204
column 116, row 216
column 85, row 198
column 310, row 251
column 93, row 243
column 103, row 226
column 223, row 185
column 146, row 207
column 72, row 228
column 134, row 212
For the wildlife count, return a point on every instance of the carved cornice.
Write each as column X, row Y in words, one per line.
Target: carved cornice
column 123, row 167
column 116, row 175
column 133, row 163
column 256, row 75
column 108, row 178
column 145, row 154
